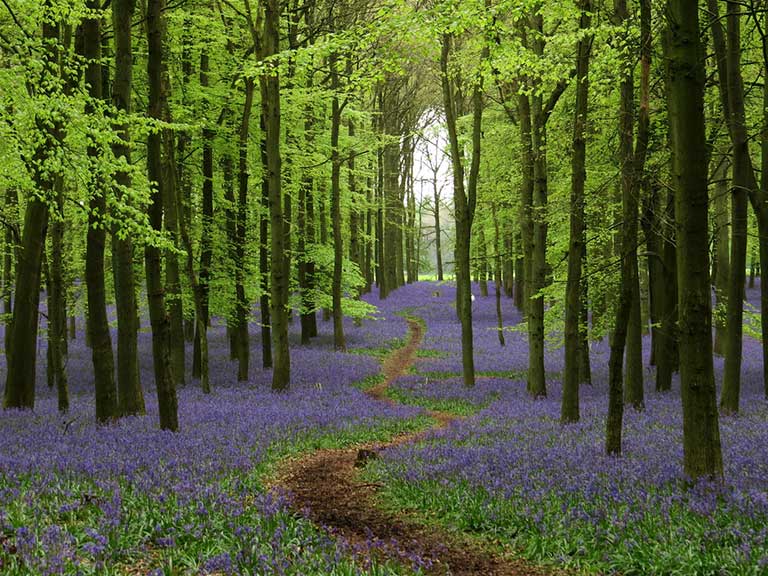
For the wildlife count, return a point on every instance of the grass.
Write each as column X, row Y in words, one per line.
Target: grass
column 516, row 375
column 650, row 545
column 380, row 351
column 457, row 406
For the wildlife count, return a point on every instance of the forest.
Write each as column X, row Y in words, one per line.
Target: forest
column 384, row 287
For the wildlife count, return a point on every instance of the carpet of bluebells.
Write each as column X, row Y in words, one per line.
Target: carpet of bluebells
column 128, row 498
column 512, row 473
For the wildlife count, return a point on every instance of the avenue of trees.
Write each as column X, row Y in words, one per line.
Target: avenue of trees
column 185, row 159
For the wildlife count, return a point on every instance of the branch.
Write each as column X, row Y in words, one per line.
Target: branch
column 556, row 93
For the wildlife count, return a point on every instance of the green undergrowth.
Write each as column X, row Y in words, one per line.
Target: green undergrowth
column 649, row 546
column 431, row 353
column 369, row 382
column 516, row 375
column 380, row 351
column 456, row 406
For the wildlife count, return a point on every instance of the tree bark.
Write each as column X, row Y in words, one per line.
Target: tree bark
column 722, row 243
column 164, row 379
column 21, row 343
column 743, row 181
column 569, row 409
column 280, row 240
column 243, row 306
column 339, row 342
column 206, row 232
column 129, row 391
column 465, row 200
column 685, row 58
column 98, row 322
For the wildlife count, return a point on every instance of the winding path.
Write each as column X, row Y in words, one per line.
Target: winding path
column 326, row 483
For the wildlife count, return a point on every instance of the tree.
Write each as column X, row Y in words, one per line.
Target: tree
column 280, row 232
column 98, row 323
column 164, row 380
column 43, row 166
column 130, row 395
column 573, row 314
column 701, row 433
column 464, row 197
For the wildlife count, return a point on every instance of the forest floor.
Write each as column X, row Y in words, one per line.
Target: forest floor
column 326, row 485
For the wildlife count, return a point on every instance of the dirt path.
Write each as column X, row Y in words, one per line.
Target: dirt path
column 326, row 483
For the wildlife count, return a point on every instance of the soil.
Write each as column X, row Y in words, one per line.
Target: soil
column 326, row 486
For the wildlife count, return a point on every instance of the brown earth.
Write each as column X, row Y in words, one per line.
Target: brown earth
column 326, row 485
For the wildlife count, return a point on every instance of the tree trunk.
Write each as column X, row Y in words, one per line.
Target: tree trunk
column 98, row 322
column 632, row 164
column 280, row 241
column 243, row 306
column 339, row 342
column 569, row 409
column 130, row 394
column 164, row 380
column 685, row 57
column 465, row 201
column 21, row 339
column 497, row 275
column 306, row 238
column 206, row 232
column 482, row 254
column 650, row 223
column 227, row 170
column 438, row 232
column 537, row 386
column 743, row 181
column 12, row 242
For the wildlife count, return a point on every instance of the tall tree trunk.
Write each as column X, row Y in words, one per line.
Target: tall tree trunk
column 569, row 410
column 392, row 207
column 201, row 314
column 438, row 231
column 667, row 360
column 497, row 275
column 172, row 273
column 526, row 208
column 184, row 184
column 206, row 231
column 632, row 163
column 164, row 379
column 264, row 265
column 685, row 57
column 22, row 336
column 356, row 252
column 482, row 255
column 339, row 342
column 743, row 181
column 57, row 303
column 243, row 306
column 12, row 242
column 650, row 223
column 130, row 394
column 306, row 237
column 280, row 241
column 98, row 322
column 722, row 243
column 537, row 386
column 759, row 201
column 465, row 200
column 227, row 169
column 519, row 288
